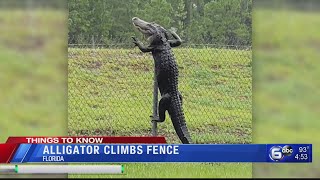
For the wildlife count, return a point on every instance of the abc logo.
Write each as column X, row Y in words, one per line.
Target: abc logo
column 277, row 152
column 287, row 150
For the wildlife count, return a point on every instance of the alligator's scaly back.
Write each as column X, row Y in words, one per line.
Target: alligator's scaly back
column 167, row 74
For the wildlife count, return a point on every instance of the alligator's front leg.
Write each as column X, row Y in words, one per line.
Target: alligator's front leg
column 142, row 47
column 177, row 40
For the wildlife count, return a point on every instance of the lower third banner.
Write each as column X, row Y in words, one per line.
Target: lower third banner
column 55, row 153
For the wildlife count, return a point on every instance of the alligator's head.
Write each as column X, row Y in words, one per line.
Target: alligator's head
column 155, row 33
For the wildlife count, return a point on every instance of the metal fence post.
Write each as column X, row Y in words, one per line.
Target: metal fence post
column 93, row 42
column 154, row 116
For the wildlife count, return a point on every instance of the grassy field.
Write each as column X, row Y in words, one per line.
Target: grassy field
column 286, row 88
column 180, row 170
column 110, row 93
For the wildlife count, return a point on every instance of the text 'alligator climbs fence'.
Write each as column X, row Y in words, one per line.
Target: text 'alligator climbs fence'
column 110, row 92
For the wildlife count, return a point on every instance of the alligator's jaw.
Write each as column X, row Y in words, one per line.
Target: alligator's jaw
column 140, row 29
column 142, row 26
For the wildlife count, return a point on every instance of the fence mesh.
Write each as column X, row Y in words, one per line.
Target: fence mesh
column 110, row 89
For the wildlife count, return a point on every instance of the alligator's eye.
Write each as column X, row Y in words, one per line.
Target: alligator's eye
column 151, row 27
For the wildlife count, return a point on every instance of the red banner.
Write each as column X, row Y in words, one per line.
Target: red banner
column 87, row 140
column 7, row 151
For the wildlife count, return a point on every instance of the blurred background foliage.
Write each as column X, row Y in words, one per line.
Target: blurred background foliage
column 286, row 96
column 33, row 70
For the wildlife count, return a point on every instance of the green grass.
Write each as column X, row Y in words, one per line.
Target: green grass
column 110, row 93
column 286, row 90
column 179, row 170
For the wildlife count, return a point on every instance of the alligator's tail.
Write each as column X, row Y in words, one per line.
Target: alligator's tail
column 173, row 104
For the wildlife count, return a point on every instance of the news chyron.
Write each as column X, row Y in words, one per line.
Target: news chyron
column 290, row 153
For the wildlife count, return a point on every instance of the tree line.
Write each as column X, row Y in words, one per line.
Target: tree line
column 226, row 22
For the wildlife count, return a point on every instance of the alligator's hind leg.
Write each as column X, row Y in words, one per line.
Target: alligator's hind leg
column 163, row 106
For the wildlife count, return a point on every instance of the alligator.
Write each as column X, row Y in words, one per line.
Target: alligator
column 166, row 73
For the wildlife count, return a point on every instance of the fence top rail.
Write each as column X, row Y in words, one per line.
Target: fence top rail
column 126, row 45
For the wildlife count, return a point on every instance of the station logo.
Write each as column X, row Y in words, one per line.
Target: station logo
column 277, row 153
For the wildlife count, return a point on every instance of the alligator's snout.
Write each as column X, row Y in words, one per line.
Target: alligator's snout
column 139, row 22
column 136, row 20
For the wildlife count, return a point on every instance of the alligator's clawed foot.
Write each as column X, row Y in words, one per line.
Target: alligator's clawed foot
column 155, row 119
column 135, row 40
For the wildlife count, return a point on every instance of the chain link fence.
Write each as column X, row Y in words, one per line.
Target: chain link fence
column 110, row 89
